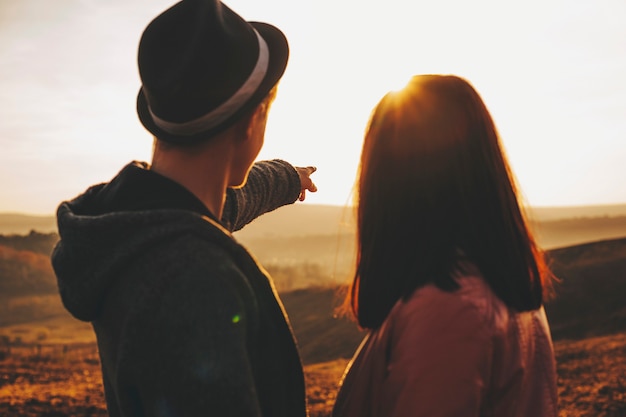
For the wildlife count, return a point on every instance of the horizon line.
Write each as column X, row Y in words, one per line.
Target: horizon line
column 539, row 206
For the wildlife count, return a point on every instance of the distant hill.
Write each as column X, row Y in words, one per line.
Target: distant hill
column 590, row 296
column 28, row 288
column 40, row 243
column 302, row 219
column 306, row 233
column 313, row 236
column 589, row 299
column 589, row 302
column 322, row 333
column 298, row 220
column 311, row 219
column 554, row 226
column 545, row 213
column 20, row 224
column 25, row 273
column 552, row 234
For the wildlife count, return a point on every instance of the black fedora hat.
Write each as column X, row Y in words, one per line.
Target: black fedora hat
column 202, row 66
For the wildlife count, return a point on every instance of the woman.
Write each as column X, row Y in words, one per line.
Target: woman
column 448, row 278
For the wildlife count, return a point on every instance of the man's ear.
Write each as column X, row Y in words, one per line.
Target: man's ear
column 253, row 120
column 250, row 122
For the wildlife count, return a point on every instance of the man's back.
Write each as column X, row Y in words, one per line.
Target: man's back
column 186, row 321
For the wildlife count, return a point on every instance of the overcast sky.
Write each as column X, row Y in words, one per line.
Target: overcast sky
column 552, row 72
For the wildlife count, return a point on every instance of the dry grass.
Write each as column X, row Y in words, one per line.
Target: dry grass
column 51, row 381
column 592, row 376
column 65, row 380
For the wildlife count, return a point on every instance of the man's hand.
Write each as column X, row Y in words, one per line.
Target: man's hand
column 305, row 181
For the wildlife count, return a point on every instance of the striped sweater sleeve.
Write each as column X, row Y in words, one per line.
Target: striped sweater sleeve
column 270, row 185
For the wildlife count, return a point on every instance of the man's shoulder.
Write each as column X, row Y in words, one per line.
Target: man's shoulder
column 193, row 262
column 201, row 242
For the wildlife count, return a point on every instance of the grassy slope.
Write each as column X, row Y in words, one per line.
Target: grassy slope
column 590, row 294
column 323, row 334
column 589, row 302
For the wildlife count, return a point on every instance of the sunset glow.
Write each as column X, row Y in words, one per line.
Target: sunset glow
column 551, row 74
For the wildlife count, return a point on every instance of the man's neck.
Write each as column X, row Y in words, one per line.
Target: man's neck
column 206, row 175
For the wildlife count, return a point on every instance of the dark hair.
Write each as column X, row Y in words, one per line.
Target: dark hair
column 241, row 123
column 434, row 186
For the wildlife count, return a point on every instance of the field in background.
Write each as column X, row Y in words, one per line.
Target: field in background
column 49, row 364
column 65, row 380
column 323, row 237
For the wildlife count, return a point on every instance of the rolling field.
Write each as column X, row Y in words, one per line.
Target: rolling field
column 65, row 380
column 49, row 365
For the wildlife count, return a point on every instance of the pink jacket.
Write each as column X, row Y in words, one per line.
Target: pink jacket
column 459, row 354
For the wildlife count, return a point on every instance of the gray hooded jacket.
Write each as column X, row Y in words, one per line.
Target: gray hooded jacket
column 187, row 322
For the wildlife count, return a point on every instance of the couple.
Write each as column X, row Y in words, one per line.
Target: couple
column 448, row 278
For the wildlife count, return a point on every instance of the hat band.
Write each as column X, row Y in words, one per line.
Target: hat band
column 226, row 109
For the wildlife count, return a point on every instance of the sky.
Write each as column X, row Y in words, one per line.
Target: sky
column 551, row 72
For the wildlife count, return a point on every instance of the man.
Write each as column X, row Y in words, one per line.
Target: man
column 187, row 322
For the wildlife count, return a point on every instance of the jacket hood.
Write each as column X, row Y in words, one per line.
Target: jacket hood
column 96, row 244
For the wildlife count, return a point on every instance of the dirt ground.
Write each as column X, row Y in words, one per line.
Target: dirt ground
column 64, row 381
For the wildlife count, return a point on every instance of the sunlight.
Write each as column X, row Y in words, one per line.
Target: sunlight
column 399, row 85
column 86, row 110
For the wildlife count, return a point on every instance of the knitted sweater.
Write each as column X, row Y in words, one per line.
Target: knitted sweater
column 187, row 322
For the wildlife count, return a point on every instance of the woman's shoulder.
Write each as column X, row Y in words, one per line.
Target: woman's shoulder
column 473, row 304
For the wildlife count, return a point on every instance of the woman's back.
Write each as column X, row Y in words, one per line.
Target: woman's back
column 461, row 353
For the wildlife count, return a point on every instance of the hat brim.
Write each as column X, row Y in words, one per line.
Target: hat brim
column 278, row 57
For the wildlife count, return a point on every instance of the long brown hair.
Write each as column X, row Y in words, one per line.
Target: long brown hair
column 434, row 185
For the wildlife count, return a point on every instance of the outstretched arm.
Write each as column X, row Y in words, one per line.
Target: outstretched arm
column 270, row 185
